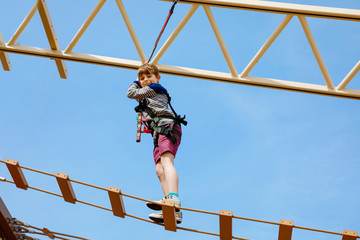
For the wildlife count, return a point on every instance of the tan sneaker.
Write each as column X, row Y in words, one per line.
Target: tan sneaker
column 159, row 218
column 156, row 205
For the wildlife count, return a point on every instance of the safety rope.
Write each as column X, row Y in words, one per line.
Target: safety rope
column 163, row 28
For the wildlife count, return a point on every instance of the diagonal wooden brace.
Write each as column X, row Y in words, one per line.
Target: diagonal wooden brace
column 285, row 229
column 16, row 174
column 4, row 58
column 349, row 235
column 225, row 219
column 116, row 201
column 51, row 35
column 66, row 187
column 168, row 209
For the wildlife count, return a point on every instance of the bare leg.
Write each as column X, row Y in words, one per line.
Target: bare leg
column 171, row 179
column 161, row 176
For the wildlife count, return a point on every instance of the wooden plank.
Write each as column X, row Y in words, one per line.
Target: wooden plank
column 66, row 187
column 4, row 224
column 4, row 58
column 16, row 174
column 349, row 235
column 225, row 219
column 51, row 35
column 285, row 229
column 116, row 200
column 168, row 209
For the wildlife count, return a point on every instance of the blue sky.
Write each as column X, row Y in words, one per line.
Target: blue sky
column 261, row 153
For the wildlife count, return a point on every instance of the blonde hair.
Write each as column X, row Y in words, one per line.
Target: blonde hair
column 148, row 68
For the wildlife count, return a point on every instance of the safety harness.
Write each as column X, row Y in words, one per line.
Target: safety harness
column 151, row 125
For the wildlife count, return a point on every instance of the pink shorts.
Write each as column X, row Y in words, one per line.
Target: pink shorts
column 166, row 145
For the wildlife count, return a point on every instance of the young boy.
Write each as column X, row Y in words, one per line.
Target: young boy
column 166, row 131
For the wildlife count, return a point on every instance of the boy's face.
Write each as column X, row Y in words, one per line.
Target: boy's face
column 147, row 79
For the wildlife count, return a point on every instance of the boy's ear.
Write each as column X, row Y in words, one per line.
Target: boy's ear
column 158, row 78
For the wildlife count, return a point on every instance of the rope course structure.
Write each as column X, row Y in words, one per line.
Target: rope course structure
column 290, row 11
column 118, row 209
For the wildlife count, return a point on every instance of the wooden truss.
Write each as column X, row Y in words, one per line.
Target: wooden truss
column 233, row 76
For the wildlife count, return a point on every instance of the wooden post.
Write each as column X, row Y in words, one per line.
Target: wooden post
column 168, row 209
column 349, row 235
column 285, row 229
column 66, row 187
column 16, row 174
column 4, row 224
column 116, row 201
column 225, row 219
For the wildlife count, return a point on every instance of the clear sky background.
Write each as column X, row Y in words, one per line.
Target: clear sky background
column 261, row 153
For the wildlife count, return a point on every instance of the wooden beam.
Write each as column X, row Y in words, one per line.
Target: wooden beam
column 4, row 58
column 349, row 235
column 5, row 216
column 282, row 8
column 285, row 229
column 16, row 174
column 225, row 219
column 168, row 209
column 116, row 201
column 186, row 72
column 66, row 187
column 51, row 35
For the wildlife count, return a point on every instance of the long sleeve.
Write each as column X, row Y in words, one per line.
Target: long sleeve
column 135, row 91
column 157, row 101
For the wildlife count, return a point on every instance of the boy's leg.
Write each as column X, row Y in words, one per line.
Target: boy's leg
column 171, row 179
column 161, row 176
column 168, row 178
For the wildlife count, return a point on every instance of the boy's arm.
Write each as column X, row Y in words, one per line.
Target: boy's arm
column 135, row 91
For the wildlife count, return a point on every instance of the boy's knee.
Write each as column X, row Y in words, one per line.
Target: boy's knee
column 159, row 170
